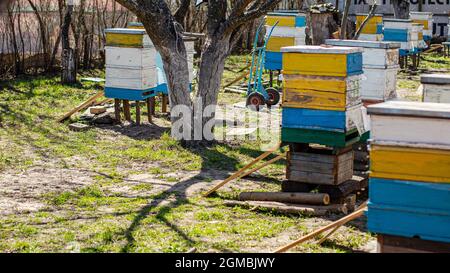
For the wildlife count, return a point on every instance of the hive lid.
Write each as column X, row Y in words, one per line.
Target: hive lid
column 397, row 20
column 435, row 78
column 420, row 13
column 135, row 24
column 365, row 44
column 321, row 49
column 287, row 14
column 365, row 14
column 410, row 108
column 131, row 31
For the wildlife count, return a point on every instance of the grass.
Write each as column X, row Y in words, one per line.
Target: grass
column 108, row 208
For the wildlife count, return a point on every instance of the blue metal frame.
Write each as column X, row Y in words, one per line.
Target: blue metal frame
column 257, row 68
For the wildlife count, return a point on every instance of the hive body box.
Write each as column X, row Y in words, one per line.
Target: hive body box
column 373, row 30
column 425, row 19
column 436, row 88
column 401, row 30
column 130, row 64
column 410, row 163
column 321, row 95
column 380, row 65
column 321, row 92
column 290, row 31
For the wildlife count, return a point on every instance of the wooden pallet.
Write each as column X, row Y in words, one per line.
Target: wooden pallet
column 321, row 165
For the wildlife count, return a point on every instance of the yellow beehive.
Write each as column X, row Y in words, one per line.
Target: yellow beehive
column 371, row 26
column 406, row 163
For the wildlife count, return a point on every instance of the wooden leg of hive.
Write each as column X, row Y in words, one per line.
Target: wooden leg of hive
column 138, row 112
column 149, row 110
column 152, row 104
column 117, row 110
column 126, row 110
column 164, row 104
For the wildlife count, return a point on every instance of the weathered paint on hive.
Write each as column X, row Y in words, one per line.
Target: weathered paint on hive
column 380, row 84
column 322, row 100
column 321, row 83
column 405, row 163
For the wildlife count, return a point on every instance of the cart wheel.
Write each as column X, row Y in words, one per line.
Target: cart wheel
column 274, row 96
column 256, row 100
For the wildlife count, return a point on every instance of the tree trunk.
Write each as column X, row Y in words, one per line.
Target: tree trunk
column 401, row 9
column 211, row 69
column 320, row 26
column 69, row 73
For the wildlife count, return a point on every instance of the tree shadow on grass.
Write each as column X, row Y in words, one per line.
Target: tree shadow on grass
column 179, row 191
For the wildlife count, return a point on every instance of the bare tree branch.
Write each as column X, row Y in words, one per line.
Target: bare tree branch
column 254, row 12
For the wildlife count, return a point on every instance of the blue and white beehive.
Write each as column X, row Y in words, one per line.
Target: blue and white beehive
column 130, row 64
column 409, row 184
column 402, row 31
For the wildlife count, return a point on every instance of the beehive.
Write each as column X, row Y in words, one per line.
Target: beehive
column 401, row 30
column 373, row 30
column 426, row 19
column 436, row 88
column 380, row 65
column 290, row 31
column 410, row 163
column 321, row 94
column 130, row 64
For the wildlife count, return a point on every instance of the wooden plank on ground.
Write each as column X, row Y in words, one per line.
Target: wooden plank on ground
column 82, row 106
column 286, row 208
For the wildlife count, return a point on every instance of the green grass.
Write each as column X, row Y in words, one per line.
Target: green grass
column 114, row 213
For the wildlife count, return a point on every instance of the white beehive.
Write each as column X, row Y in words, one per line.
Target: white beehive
column 130, row 59
column 436, row 88
column 380, row 65
column 426, row 19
